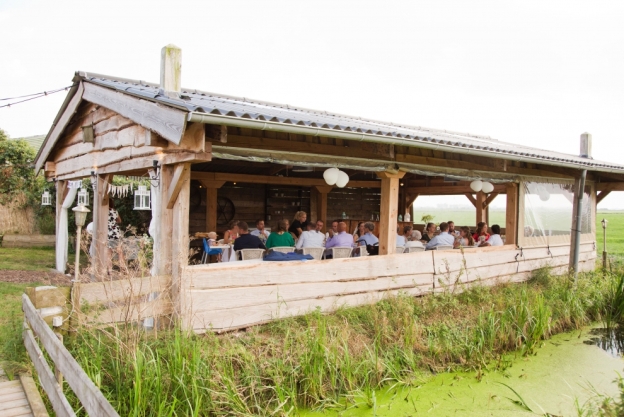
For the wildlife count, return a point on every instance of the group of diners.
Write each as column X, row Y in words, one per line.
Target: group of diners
column 302, row 233
column 461, row 237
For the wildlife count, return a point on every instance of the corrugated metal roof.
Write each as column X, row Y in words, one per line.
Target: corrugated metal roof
column 246, row 109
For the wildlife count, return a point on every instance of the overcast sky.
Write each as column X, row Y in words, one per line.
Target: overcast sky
column 537, row 73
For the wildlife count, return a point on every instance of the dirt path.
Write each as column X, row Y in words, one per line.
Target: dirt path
column 49, row 278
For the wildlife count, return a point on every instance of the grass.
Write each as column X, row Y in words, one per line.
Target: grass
column 27, row 259
column 615, row 233
column 326, row 361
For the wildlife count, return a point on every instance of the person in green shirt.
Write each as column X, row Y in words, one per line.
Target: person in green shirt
column 281, row 237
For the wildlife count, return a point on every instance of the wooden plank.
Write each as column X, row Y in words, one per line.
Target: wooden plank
column 5, row 406
column 130, row 313
column 227, row 298
column 59, row 127
column 34, row 398
column 481, row 215
column 388, row 211
column 233, row 274
column 180, row 236
column 194, row 138
column 211, row 209
column 266, row 179
column 162, row 218
column 46, row 377
column 180, row 174
column 90, row 397
column 610, row 186
column 601, row 196
column 489, row 199
column 167, row 122
column 10, row 396
column 110, row 291
column 450, row 190
column 17, row 412
column 10, row 386
column 511, row 214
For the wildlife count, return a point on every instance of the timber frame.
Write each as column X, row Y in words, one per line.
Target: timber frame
column 109, row 126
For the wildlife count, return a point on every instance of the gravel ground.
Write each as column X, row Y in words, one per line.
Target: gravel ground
column 50, row 278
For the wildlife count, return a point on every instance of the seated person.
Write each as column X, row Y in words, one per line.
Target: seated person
column 232, row 233
column 313, row 237
column 400, row 239
column 414, row 240
column 340, row 239
column 444, row 238
column 280, row 237
column 359, row 231
column 495, row 239
column 246, row 240
column 260, row 231
column 368, row 238
column 299, row 224
column 429, row 232
column 415, row 235
column 465, row 238
column 407, row 232
column 451, row 230
column 482, row 230
column 212, row 238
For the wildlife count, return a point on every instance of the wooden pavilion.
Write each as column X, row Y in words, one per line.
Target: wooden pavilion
column 215, row 155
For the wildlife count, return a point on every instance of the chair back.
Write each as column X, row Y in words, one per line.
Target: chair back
column 443, row 247
column 363, row 251
column 400, row 249
column 283, row 249
column 247, row 254
column 316, row 253
column 415, row 249
column 206, row 245
column 341, row 252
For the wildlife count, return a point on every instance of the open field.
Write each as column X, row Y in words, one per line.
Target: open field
column 460, row 217
column 615, row 232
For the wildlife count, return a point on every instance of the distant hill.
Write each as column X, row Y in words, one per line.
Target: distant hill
column 34, row 141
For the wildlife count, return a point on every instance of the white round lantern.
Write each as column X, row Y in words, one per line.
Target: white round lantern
column 487, row 187
column 544, row 195
column 83, row 197
column 46, row 199
column 142, row 198
column 342, row 180
column 476, row 185
column 331, row 175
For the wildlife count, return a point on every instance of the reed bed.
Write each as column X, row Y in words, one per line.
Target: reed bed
column 329, row 360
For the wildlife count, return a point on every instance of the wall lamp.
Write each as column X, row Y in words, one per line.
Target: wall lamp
column 156, row 177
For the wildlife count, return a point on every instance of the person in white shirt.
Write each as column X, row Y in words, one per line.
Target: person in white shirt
column 312, row 238
column 260, row 231
column 414, row 240
column 495, row 238
column 444, row 238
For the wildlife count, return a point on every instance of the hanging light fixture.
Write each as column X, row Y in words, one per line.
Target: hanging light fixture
column 142, row 198
column 544, row 195
column 476, row 186
column 331, row 176
column 342, row 180
column 46, row 199
column 83, row 197
column 487, row 187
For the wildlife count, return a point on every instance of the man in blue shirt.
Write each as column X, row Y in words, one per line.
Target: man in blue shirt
column 368, row 238
column 444, row 238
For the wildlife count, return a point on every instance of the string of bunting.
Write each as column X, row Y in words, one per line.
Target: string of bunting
column 74, row 184
column 119, row 191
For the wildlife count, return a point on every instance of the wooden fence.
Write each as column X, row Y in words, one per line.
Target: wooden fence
column 91, row 398
column 227, row 296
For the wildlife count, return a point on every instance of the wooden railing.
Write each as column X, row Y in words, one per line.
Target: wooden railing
column 91, row 398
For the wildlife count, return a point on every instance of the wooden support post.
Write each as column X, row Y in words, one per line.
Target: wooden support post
column 388, row 211
column 100, row 225
column 410, row 199
column 180, row 234
column 579, row 192
column 480, row 207
column 61, row 187
column 601, row 196
column 472, row 199
column 211, row 203
column 402, row 201
column 511, row 214
column 321, row 208
column 163, row 223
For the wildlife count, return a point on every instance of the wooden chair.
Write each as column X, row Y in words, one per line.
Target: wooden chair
column 283, row 249
column 443, row 247
column 341, row 252
column 400, row 249
column 317, row 253
column 247, row 254
column 411, row 249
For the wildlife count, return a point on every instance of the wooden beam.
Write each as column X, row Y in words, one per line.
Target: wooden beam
column 450, row 190
column 388, row 211
column 610, row 186
column 194, row 138
column 154, row 139
column 211, row 209
column 472, row 199
column 163, row 223
column 180, row 175
column 59, row 127
column 180, row 238
column 489, row 199
column 168, row 122
column 481, row 207
column 266, row 179
column 511, row 214
column 601, row 196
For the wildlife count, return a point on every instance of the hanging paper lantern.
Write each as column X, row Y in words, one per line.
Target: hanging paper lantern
column 83, row 197
column 487, row 187
column 342, row 180
column 331, row 176
column 544, row 195
column 46, row 200
column 142, row 198
column 476, row 185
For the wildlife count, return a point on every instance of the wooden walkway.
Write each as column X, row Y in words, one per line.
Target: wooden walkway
column 20, row 397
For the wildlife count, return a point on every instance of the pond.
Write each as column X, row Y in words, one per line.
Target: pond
column 569, row 368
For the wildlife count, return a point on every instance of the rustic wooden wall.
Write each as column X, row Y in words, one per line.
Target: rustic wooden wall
column 227, row 296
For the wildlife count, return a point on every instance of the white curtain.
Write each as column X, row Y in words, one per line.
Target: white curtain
column 62, row 238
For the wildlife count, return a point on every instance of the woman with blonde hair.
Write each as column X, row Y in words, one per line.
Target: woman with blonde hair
column 231, row 234
column 299, row 224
